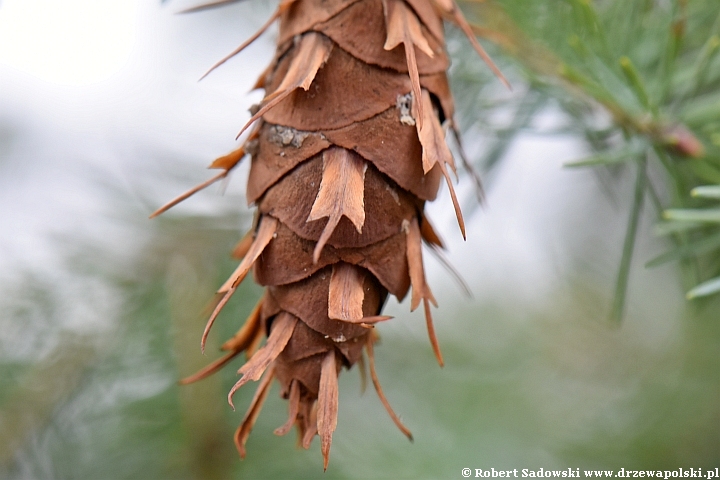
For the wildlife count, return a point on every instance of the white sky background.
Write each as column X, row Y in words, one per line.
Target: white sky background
column 104, row 88
column 73, row 43
column 111, row 86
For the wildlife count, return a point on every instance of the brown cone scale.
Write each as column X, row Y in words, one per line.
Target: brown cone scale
column 346, row 147
column 344, row 91
column 381, row 140
column 291, row 199
column 360, row 27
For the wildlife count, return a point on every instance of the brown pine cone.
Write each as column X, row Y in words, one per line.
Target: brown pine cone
column 347, row 146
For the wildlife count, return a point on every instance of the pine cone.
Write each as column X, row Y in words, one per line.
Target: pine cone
column 347, row 146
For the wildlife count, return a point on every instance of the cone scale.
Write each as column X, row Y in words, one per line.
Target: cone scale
column 346, row 147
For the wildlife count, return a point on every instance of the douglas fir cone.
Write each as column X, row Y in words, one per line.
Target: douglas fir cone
column 347, row 146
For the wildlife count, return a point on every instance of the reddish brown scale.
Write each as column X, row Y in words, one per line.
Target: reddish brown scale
column 347, row 146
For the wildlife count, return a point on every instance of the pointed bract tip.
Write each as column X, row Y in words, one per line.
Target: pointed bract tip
column 325, row 448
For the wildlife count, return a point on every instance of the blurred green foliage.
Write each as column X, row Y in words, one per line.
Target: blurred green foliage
column 639, row 81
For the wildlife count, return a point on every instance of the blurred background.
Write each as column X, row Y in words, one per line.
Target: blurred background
column 578, row 347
